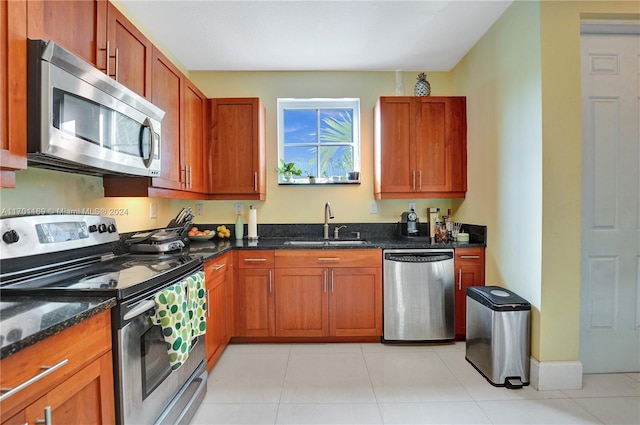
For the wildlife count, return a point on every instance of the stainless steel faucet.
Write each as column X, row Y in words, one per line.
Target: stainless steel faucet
column 327, row 215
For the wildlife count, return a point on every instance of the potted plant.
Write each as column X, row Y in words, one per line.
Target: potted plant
column 347, row 160
column 288, row 169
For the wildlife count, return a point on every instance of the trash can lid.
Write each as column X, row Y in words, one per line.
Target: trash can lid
column 498, row 298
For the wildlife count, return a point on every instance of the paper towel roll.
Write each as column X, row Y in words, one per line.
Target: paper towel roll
column 253, row 223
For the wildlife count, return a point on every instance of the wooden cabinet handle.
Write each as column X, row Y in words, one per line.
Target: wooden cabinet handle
column 46, row 370
column 328, row 258
column 469, row 257
column 460, row 279
column 414, row 180
column 208, row 304
column 420, row 180
column 106, row 58
column 332, row 281
column 47, row 417
column 255, row 260
column 324, row 283
column 270, row 285
column 255, row 181
column 217, row 267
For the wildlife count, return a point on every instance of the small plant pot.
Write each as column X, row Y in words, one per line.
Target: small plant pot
column 312, row 180
column 353, row 175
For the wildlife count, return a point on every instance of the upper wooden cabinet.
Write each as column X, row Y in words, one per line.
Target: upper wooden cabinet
column 166, row 94
column 195, row 141
column 420, row 147
column 237, row 149
column 79, row 26
column 129, row 53
column 13, row 90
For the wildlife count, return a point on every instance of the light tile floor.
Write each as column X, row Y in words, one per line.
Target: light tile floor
column 381, row 384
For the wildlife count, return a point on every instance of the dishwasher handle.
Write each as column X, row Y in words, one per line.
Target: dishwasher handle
column 410, row 257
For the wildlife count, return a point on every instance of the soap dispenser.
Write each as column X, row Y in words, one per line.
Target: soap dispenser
column 239, row 227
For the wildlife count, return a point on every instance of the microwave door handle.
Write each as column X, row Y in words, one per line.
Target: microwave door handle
column 147, row 123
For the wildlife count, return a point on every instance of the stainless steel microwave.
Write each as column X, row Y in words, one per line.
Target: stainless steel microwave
column 81, row 120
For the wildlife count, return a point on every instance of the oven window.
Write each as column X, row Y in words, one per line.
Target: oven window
column 155, row 360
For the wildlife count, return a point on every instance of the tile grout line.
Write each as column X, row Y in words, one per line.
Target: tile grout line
column 373, row 388
column 284, row 378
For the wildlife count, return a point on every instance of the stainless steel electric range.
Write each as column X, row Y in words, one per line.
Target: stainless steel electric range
column 75, row 255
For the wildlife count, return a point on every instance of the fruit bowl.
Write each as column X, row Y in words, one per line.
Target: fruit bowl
column 202, row 237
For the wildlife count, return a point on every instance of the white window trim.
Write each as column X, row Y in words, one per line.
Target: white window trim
column 321, row 103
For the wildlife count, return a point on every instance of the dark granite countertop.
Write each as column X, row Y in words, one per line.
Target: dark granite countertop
column 377, row 236
column 39, row 318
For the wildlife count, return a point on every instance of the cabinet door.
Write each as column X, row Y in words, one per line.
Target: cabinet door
column 302, row 302
column 166, row 93
column 79, row 26
column 254, row 290
column 394, row 148
column 355, row 301
column 130, row 56
column 237, row 149
column 216, row 336
column 469, row 266
column 441, row 144
column 13, row 90
column 85, row 398
column 193, row 146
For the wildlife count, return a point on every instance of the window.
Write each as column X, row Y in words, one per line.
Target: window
column 318, row 141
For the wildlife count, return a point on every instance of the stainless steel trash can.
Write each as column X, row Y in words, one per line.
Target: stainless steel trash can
column 498, row 335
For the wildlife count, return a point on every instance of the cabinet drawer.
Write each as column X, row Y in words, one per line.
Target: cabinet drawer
column 216, row 267
column 64, row 353
column 469, row 255
column 255, row 259
column 329, row 258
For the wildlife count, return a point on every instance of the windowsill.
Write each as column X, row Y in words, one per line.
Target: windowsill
column 319, row 182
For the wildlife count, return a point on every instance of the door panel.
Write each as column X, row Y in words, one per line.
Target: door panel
column 610, row 287
column 302, row 302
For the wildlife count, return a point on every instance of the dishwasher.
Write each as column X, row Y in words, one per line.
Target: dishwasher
column 418, row 287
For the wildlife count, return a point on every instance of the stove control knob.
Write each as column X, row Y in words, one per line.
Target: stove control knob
column 111, row 228
column 102, row 227
column 93, row 228
column 10, row 236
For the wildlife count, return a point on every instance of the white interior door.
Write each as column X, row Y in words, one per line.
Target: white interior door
column 610, row 266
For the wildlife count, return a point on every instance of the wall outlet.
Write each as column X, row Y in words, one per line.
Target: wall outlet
column 373, row 207
column 199, row 209
column 412, row 206
column 153, row 210
column 238, row 207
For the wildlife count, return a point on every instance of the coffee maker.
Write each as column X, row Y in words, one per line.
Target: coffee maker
column 409, row 223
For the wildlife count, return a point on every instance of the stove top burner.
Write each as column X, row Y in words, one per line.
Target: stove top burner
column 122, row 277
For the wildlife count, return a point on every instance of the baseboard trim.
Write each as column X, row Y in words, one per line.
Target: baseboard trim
column 565, row 375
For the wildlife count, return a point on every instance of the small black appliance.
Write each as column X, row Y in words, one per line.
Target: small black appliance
column 409, row 223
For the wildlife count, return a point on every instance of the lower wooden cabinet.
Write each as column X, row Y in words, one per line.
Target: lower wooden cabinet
column 328, row 293
column 80, row 388
column 78, row 400
column 309, row 293
column 219, row 307
column 469, row 269
column 254, row 292
column 316, row 302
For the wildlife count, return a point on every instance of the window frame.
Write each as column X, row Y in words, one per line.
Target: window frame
column 315, row 104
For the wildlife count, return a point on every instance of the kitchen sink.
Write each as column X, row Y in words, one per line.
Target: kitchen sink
column 327, row 243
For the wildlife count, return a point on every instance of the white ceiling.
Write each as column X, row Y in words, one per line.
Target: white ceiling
column 317, row 35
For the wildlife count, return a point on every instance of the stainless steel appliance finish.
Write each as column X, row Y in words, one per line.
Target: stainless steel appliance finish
column 72, row 255
column 82, row 121
column 418, row 287
column 497, row 340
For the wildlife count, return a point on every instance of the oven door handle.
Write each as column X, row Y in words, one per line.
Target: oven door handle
column 139, row 309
